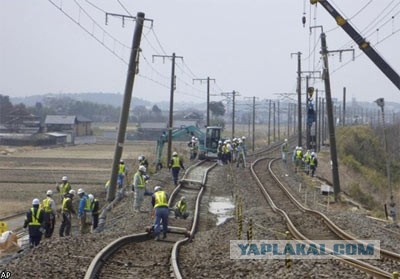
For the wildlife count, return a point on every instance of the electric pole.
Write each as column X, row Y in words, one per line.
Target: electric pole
column 299, row 143
column 329, row 108
column 171, row 101
column 254, row 121
column 228, row 95
column 208, row 95
column 123, row 121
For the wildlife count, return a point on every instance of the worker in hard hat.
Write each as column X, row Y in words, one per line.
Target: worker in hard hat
column 121, row 174
column 176, row 164
column 284, row 151
column 143, row 161
column 313, row 163
column 181, row 209
column 220, row 152
column 50, row 212
column 64, row 187
column 159, row 200
column 95, row 209
column 83, row 211
column 34, row 222
column 139, row 187
column 67, row 210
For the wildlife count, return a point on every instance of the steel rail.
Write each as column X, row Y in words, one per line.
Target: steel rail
column 107, row 252
column 175, row 250
column 372, row 270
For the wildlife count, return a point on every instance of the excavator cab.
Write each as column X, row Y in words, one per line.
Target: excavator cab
column 212, row 136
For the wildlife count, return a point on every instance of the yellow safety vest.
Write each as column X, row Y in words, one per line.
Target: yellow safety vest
column 35, row 219
column 46, row 205
column 176, row 162
column 121, row 169
column 141, row 180
column 181, row 206
column 64, row 204
column 64, row 188
column 160, row 199
column 312, row 161
column 87, row 205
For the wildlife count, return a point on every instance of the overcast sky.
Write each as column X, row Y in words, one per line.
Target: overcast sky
column 244, row 45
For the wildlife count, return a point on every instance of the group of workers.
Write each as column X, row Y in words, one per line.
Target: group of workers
column 41, row 217
column 302, row 161
column 234, row 151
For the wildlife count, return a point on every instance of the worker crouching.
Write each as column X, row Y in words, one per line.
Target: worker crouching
column 181, row 208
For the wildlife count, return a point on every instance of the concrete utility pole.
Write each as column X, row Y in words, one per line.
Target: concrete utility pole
column 329, row 108
column 228, row 95
column 344, row 106
column 269, row 123
column 130, row 78
column 171, row 101
column 208, row 79
column 298, row 90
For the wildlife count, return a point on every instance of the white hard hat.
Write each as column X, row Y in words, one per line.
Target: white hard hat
column 197, row 139
column 35, row 202
column 121, row 161
column 142, row 168
column 81, row 191
column 49, row 193
column 243, row 138
column 64, row 178
column 183, row 198
column 157, row 188
column 139, row 158
column 313, row 154
column 72, row 192
column 285, row 140
column 91, row 197
column 174, row 153
column 220, row 142
column 193, row 138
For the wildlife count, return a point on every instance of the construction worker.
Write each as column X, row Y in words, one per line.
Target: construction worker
column 313, row 163
column 143, row 161
column 159, row 200
column 83, row 210
column 95, row 209
column 241, row 158
column 139, row 186
column 180, row 208
column 220, row 152
column 121, row 174
column 175, row 164
column 34, row 222
column 284, row 150
column 50, row 212
column 228, row 151
column 244, row 146
column 298, row 158
column 64, row 187
column 67, row 210
column 306, row 160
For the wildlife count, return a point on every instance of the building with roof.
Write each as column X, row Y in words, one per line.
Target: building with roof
column 74, row 126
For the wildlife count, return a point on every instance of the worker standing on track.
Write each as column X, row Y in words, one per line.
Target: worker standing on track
column 50, row 212
column 220, row 152
column 306, row 160
column 34, row 221
column 180, row 209
column 67, row 210
column 64, row 187
column 284, row 151
column 298, row 158
column 83, row 211
column 313, row 163
column 139, row 187
column 175, row 164
column 95, row 209
column 159, row 200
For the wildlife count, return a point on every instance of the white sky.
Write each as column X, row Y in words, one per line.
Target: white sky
column 245, row 45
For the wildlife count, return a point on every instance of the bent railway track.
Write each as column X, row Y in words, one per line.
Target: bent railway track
column 306, row 224
column 139, row 254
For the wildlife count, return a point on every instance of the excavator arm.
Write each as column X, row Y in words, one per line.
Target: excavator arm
column 361, row 42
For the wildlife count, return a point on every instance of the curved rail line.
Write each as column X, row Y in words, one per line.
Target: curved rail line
column 107, row 252
column 361, row 265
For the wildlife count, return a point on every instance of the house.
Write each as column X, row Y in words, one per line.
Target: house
column 76, row 127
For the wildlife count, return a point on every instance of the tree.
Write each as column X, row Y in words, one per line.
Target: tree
column 5, row 108
column 217, row 108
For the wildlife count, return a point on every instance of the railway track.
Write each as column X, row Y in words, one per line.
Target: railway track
column 306, row 224
column 139, row 254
